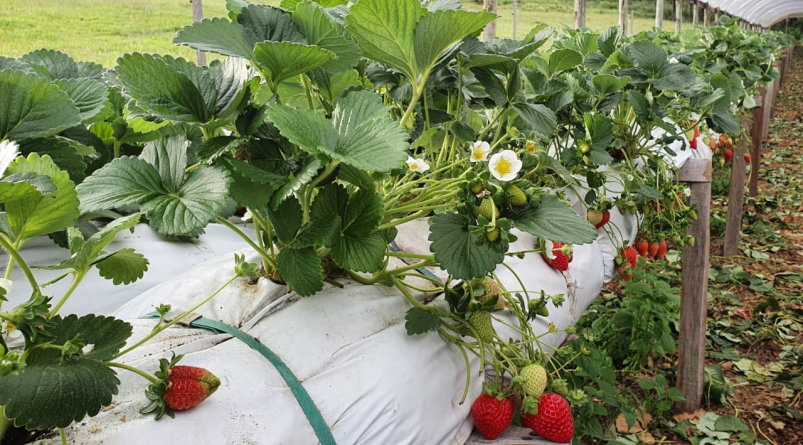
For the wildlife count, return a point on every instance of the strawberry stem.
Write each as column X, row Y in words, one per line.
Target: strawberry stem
column 142, row 373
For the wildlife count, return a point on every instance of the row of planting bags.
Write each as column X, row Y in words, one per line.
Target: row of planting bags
column 372, row 383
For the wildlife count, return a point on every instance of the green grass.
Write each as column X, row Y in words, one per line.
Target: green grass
column 101, row 30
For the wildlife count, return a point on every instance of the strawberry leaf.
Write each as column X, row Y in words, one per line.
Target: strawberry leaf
column 123, row 267
column 463, row 254
column 301, row 269
column 555, row 221
column 420, row 321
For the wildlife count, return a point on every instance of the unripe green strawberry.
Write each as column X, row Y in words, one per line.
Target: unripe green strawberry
column 533, row 380
column 476, row 186
column 493, row 235
column 543, row 311
column 483, row 325
column 693, row 214
column 492, row 291
column 516, row 196
column 487, row 209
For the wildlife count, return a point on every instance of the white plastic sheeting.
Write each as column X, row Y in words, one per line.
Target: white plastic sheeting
column 764, row 13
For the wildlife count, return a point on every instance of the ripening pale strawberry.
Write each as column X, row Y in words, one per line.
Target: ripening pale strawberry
column 642, row 247
column 492, row 414
column 728, row 155
column 747, row 158
column 626, row 272
column 712, row 144
column 533, row 380
column 189, row 386
column 599, row 218
column 696, row 132
column 482, row 323
column 492, row 292
column 554, row 420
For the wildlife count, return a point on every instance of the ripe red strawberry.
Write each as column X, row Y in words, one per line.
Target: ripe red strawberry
column 728, row 155
column 693, row 144
column 642, row 247
column 662, row 249
column 527, row 420
column 554, row 420
column 629, row 254
column 561, row 260
column 189, row 386
column 653, row 249
column 747, row 158
column 625, row 272
column 696, row 132
column 606, row 216
column 492, row 413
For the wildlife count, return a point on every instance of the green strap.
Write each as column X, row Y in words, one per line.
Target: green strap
column 314, row 416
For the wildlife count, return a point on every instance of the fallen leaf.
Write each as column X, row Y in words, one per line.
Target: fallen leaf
column 693, row 417
column 777, row 424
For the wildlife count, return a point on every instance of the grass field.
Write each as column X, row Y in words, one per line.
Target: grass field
column 101, row 30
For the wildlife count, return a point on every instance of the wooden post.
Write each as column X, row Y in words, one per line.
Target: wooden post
column 678, row 16
column 694, row 288
column 716, row 17
column 659, row 14
column 515, row 8
column 490, row 29
column 706, row 17
column 197, row 16
column 623, row 16
column 755, row 156
column 694, row 13
column 733, row 225
column 632, row 22
column 765, row 128
column 776, row 88
column 579, row 14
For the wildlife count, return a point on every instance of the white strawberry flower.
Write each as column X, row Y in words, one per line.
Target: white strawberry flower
column 10, row 333
column 479, row 151
column 674, row 61
column 247, row 216
column 687, row 192
column 417, row 164
column 8, row 152
column 630, row 178
column 505, row 165
column 549, row 245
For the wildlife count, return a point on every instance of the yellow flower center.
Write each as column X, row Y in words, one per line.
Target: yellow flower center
column 503, row 167
column 477, row 153
column 531, row 146
column 414, row 166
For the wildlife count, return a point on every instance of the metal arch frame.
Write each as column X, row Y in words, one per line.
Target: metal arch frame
column 762, row 12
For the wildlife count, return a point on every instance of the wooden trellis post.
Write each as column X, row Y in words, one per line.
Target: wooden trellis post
column 716, row 17
column 755, row 156
column 579, row 13
column 515, row 17
column 765, row 129
column 659, row 14
column 623, row 16
column 706, row 16
column 490, row 30
column 694, row 288
column 678, row 16
column 733, row 225
column 197, row 16
column 694, row 13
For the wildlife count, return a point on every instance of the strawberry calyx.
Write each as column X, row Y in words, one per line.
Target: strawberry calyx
column 155, row 392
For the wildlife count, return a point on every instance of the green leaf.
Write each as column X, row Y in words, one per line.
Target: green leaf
column 217, row 35
column 266, row 23
column 123, row 267
column 169, row 156
column 229, row 76
column 23, row 185
column 650, row 57
column 63, row 154
column 199, row 201
column 302, row 176
column 90, row 96
column 124, row 181
column 675, row 77
column 357, row 247
column 463, row 254
column 556, row 221
column 564, row 59
column 32, row 107
column 40, row 215
column 386, row 31
column 364, row 136
column 286, row 220
column 437, row 31
column 319, row 232
column 301, row 269
column 420, row 321
column 330, row 202
column 600, row 130
column 283, row 60
column 320, row 30
column 164, row 91
column 48, row 393
column 730, row 424
column 51, row 64
column 250, row 185
column 538, row 117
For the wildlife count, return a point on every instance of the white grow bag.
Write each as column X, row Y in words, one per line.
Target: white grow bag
column 372, row 383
